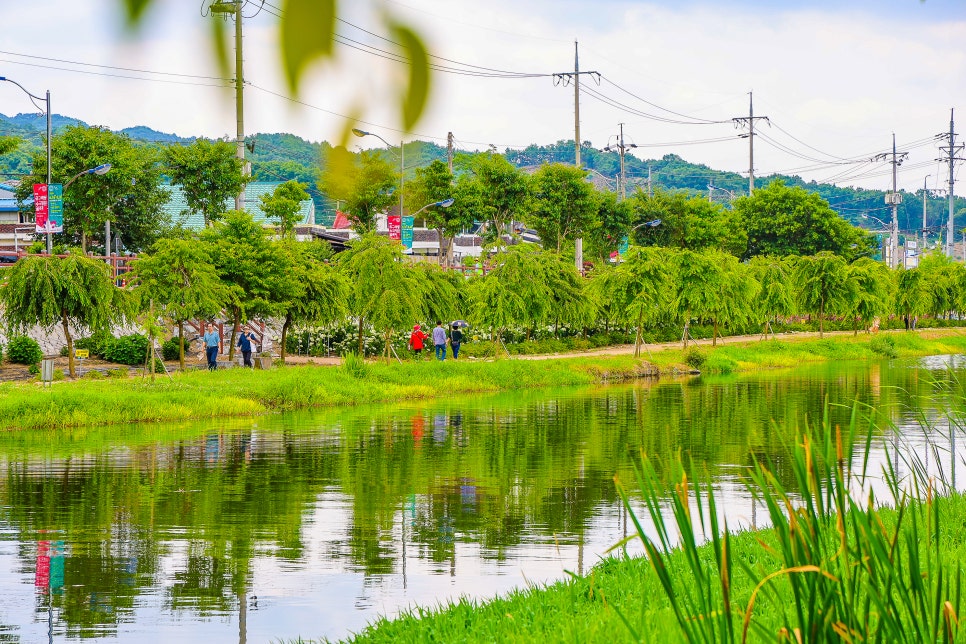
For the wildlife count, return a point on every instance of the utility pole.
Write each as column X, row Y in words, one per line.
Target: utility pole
column 893, row 199
column 650, row 190
column 564, row 78
column 750, row 121
column 449, row 151
column 951, row 158
column 234, row 8
column 621, row 150
column 925, row 199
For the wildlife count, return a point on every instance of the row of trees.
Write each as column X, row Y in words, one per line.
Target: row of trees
column 241, row 270
column 558, row 202
column 132, row 194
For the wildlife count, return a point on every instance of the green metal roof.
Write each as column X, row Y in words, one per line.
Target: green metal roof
column 195, row 221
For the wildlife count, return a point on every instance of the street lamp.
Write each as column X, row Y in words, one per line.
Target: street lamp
column 712, row 188
column 361, row 133
column 445, row 203
column 100, row 170
column 47, row 100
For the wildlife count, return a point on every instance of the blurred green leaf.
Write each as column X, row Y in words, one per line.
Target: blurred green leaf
column 307, row 33
column 220, row 44
column 135, row 10
column 416, row 91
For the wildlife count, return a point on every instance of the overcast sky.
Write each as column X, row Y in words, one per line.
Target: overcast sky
column 836, row 77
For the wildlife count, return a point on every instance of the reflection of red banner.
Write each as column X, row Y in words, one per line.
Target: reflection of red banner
column 42, row 577
column 395, row 227
column 40, row 206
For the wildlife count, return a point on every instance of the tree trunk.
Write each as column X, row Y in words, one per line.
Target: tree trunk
column 149, row 357
column 556, row 327
column 234, row 332
column 714, row 333
column 70, row 345
column 687, row 326
column 83, row 243
column 388, row 346
column 442, row 246
column 821, row 319
column 181, row 344
column 362, row 348
column 638, row 337
column 285, row 325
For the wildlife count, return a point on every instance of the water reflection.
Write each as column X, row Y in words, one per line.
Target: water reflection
column 311, row 524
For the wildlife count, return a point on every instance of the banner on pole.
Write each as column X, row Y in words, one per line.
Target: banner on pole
column 407, row 232
column 623, row 247
column 394, row 226
column 55, row 207
column 40, row 207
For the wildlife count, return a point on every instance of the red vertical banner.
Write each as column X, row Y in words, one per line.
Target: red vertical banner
column 395, row 227
column 41, row 207
column 42, row 575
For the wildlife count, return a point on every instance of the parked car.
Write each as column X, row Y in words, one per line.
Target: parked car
column 8, row 258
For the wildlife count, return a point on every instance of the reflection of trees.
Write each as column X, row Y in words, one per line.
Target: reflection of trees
column 497, row 471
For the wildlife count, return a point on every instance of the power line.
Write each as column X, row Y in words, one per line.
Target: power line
column 92, row 73
column 123, row 69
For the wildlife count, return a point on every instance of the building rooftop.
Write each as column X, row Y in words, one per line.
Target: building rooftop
column 195, row 221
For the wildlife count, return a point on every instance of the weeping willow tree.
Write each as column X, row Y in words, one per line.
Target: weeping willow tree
column 638, row 288
column 569, row 303
column 180, row 280
column 515, row 293
column 385, row 290
column 823, row 286
column 873, row 291
column 73, row 291
column 314, row 292
column 775, row 299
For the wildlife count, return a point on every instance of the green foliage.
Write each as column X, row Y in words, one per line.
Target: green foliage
column 209, row 173
column 823, row 285
column 172, row 348
column 609, row 225
column 95, row 344
column 782, row 220
column 129, row 349
column 913, row 294
column 564, row 204
column 130, row 194
column 355, row 365
column 365, row 185
column 58, row 374
column 24, row 350
column 118, row 373
column 884, row 345
column 694, row 358
column 94, row 374
column 690, row 223
column 495, row 192
column 284, row 205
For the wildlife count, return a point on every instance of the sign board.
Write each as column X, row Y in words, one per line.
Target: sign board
column 55, row 212
column 624, row 245
column 40, row 207
column 407, row 232
column 394, row 226
column 82, row 353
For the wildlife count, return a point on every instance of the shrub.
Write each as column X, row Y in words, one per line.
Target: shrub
column 96, row 344
column 129, row 349
column 884, row 345
column 695, row 358
column 94, row 374
column 24, row 350
column 117, row 373
column 355, row 366
column 169, row 350
column 58, row 374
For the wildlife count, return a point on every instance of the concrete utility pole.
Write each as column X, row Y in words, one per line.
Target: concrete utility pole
column 951, row 158
column 750, row 121
column 234, row 8
column 893, row 199
column 621, row 149
column 449, row 151
column 565, row 78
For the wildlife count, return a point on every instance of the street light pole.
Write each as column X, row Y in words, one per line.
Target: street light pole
column 49, row 131
column 402, row 157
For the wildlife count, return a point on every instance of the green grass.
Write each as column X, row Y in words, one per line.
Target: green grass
column 242, row 392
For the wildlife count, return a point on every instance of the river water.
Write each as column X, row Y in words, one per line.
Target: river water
column 312, row 524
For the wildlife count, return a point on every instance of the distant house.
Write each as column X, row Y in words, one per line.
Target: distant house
column 195, row 221
column 13, row 232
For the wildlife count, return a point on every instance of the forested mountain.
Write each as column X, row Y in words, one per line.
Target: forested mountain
column 281, row 157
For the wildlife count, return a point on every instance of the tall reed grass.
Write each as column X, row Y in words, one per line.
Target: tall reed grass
column 844, row 569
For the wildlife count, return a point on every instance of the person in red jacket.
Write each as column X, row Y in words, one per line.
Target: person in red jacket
column 416, row 339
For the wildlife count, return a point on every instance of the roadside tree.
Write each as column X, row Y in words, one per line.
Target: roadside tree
column 823, row 286
column 687, row 222
column 364, row 184
column 564, row 204
column 210, row 175
column 913, row 295
column 73, row 291
column 873, row 286
column 776, row 297
column 496, row 191
column 284, row 205
column 181, row 281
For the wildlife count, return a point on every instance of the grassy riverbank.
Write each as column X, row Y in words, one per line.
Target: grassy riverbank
column 239, row 392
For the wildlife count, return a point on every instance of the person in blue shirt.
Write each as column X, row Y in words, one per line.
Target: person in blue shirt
column 439, row 341
column 245, row 342
column 212, row 345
